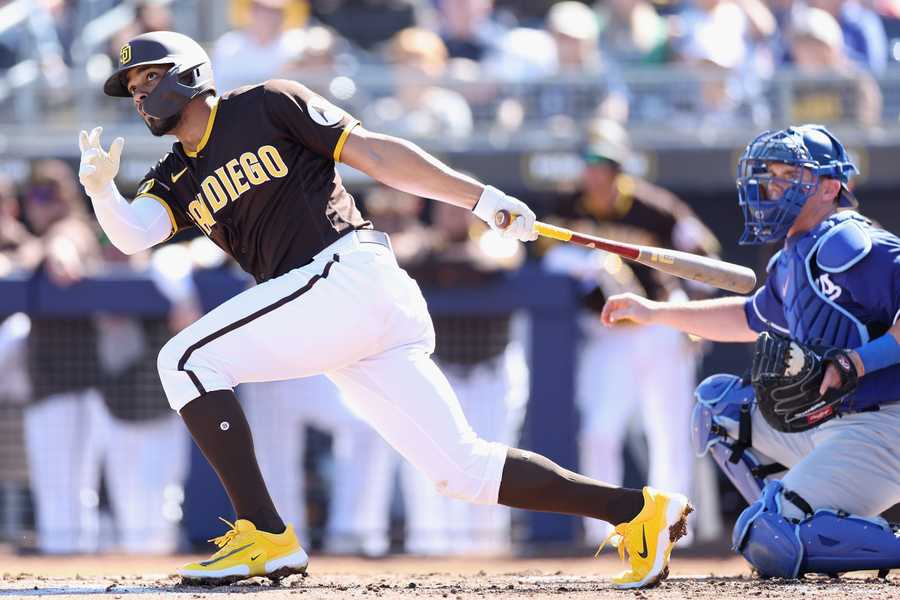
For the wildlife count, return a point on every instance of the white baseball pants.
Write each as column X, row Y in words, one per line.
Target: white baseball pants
column 354, row 315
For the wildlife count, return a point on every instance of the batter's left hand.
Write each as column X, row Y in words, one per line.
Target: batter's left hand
column 492, row 201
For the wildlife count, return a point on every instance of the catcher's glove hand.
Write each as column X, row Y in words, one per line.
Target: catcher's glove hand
column 786, row 376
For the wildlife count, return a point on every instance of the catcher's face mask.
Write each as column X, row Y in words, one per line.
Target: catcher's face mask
column 779, row 171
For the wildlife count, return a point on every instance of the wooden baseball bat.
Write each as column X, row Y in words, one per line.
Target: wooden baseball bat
column 718, row 273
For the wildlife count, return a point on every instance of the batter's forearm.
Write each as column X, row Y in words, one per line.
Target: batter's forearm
column 718, row 319
column 405, row 166
column 131, row 227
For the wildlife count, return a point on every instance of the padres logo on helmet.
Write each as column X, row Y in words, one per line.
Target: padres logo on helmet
column 125, row 54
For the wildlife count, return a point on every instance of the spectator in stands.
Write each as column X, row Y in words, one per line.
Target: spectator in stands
column 612, row 203
column 420, row 107
column 728, row 44
column 18, row 249
column 467, row 28
column 64, row 425
column 598, row 89
column 835, row 89
column 865, row 41
column 634, row 34
column 37, row 37
column 261, row 48
column 149, row 15
column 369, row 23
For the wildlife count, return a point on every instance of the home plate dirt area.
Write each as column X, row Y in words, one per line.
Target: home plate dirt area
column 130, row 577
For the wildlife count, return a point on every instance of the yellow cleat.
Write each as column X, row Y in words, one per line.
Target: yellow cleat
column 246, row 552
column 649, row 537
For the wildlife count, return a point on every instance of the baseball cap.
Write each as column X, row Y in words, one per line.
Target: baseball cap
column 573, row 19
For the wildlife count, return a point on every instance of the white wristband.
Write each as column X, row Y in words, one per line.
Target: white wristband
column 487, row 203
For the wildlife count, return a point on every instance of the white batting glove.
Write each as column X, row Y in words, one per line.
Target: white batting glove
column 492, row 201
column 98, row 167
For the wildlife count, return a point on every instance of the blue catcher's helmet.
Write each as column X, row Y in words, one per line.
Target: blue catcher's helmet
column 771, row 203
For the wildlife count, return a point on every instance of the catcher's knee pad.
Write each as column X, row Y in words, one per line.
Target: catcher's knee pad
column 720, row 425
column 825, row 541
column 471, row 471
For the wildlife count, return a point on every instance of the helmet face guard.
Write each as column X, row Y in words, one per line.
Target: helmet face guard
column 771, row 200
column 177, row 87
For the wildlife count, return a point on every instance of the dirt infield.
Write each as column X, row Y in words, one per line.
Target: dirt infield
column 121, row 578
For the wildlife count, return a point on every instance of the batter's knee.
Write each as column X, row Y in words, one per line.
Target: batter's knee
column 187, row 373
column 167, row 366
column 472, row 472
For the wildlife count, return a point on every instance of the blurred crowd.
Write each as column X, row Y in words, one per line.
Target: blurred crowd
column 93, row 459
column 428, row 68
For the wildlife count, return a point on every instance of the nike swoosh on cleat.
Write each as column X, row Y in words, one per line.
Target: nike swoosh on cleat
column 206, row 563
column 643, row 553
column 178, row 175
column 255, row 557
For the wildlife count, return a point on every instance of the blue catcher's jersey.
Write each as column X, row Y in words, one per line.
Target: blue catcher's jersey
column 837, row 285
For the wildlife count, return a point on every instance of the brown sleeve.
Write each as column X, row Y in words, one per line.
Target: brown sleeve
column 307, row 117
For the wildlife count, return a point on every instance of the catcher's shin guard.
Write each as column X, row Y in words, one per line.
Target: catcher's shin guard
column 720, row 425
column 824, row 542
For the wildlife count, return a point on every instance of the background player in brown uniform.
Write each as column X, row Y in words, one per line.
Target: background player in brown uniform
column 255, row 171
column 613, row 204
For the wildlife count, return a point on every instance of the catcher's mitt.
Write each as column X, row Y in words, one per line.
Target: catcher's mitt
column 786, row 376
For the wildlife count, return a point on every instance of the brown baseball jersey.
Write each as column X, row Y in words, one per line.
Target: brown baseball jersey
column 645, row 214
column 262, row 182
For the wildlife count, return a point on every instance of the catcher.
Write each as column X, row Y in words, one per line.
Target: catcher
column 823, row 397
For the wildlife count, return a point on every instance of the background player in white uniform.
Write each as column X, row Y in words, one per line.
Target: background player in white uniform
column 614, row 204
column 255, row 170
column 278, row 413
column 835, row 284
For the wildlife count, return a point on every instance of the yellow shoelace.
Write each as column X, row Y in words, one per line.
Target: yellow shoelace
column 223, row 540
column 619, row 532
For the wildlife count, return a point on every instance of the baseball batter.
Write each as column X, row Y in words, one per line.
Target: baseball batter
column 254, row 169
column 834, row 289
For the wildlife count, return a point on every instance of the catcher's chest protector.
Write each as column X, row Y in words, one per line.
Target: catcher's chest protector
column 812, row 314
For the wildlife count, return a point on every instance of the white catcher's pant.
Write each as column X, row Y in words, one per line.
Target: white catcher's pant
column 621, row 370
column 354, row 315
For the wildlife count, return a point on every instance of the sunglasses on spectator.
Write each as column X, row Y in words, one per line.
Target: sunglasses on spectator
column 42, row 194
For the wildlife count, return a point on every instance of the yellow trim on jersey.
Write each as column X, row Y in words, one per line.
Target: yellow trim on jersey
column 209, row 126
column 340, row 143
column 168, row 210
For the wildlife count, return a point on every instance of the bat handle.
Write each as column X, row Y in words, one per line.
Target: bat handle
column 503, row 218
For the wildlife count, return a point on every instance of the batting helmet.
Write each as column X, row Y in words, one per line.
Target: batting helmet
column 190, row 73
column 771, row 204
